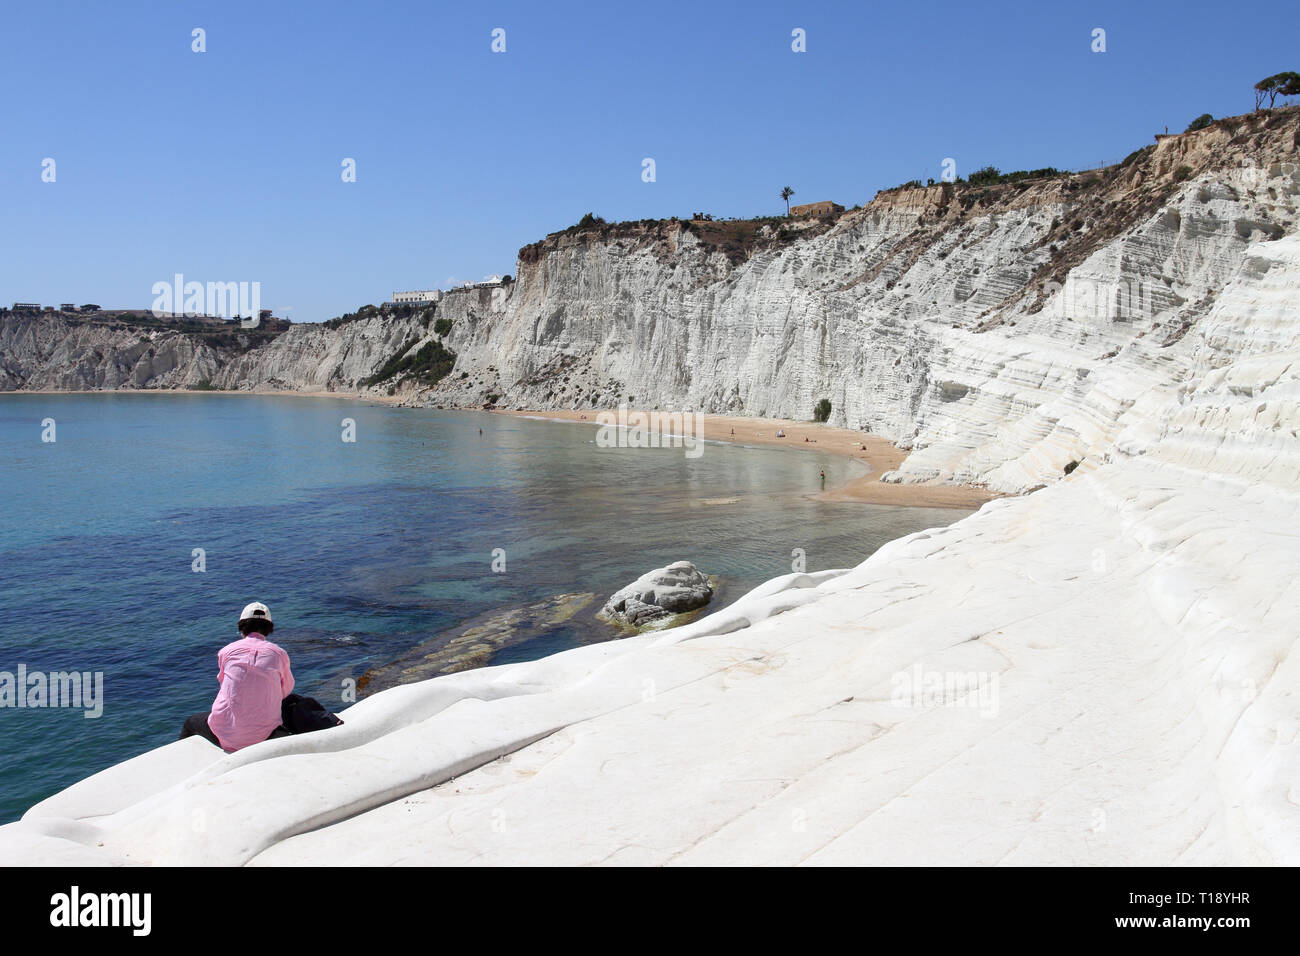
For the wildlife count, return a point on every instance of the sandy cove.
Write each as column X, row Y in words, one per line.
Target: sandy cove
column 878, row 454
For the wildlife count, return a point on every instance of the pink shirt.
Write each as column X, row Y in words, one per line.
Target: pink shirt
column 254, row 676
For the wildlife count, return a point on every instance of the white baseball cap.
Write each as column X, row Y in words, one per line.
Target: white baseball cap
column 256, row 611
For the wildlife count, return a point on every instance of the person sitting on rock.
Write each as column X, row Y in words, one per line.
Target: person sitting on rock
column 255, row 679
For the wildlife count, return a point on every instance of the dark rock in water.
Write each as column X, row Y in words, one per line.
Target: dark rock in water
column 659, row 594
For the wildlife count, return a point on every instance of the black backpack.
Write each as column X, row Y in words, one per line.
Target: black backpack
column 302, row 715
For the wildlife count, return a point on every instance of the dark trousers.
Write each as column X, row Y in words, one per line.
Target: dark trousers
column 197, row 725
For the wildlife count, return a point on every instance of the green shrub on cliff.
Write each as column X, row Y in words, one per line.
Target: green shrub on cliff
column 822, row 411
column 986, row 174
column 992, row 176
column 586, row 222
column 428, row 366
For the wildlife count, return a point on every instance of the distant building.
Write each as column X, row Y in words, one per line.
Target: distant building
column 264, row 314
column 27, row 307
column 418, row 297
column 69, row 307
column 49, row 308
column 826, row 208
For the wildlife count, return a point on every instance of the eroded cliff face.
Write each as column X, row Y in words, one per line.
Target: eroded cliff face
column 318, row 358
column 66, row 353
column 51, row 352
column 1133, row 623
column 999, row 333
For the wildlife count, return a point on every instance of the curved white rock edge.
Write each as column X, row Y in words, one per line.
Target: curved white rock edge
column 189, row 803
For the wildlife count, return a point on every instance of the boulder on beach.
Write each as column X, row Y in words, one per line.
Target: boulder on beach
column 659, row 594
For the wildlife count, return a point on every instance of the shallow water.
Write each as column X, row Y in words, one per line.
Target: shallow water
column 363, row 550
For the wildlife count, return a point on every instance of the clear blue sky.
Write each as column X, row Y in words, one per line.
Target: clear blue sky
column 225, row 165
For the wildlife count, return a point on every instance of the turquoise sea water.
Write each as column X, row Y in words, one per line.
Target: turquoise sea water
column 362, row 549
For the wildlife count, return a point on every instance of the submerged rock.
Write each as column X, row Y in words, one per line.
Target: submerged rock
column 475, row 643
column 659, row 594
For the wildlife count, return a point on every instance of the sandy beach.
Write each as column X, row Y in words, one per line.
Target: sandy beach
column 878, row 454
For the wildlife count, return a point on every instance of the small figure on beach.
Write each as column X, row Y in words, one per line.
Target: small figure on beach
column 823, row 473
column 780, row 433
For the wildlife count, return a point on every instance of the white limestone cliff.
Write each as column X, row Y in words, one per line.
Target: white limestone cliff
column 1105, row 671
column 998, row 333
column 999, row 342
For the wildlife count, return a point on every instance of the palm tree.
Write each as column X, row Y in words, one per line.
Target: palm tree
column 786, row 193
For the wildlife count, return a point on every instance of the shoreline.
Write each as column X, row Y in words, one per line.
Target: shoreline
column 878, row 454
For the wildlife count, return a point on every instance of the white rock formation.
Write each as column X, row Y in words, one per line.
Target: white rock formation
column 998, row 336
column 1102, row 672
column 999, row 341
column 55, row 352
column 659, row 594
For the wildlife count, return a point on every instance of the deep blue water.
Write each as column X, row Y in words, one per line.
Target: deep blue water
column 362, row 550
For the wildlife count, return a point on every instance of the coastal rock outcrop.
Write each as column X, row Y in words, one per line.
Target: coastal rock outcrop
column 67, row 352
column 996, row 333
column 1103, row 672
column 659, row 594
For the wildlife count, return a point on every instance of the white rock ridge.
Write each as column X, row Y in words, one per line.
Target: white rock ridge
column 1105, row 671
